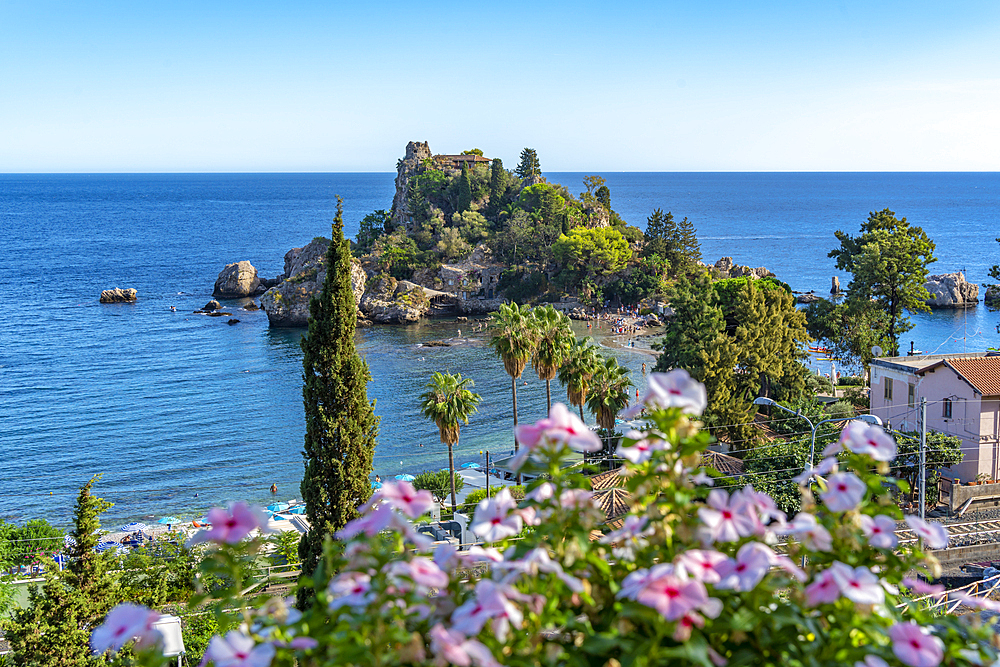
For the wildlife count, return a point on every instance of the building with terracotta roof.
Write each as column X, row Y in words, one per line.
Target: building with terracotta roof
column 963, row 399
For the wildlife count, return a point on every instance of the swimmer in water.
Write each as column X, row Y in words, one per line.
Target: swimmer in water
column 173, row 309
column 274, row 488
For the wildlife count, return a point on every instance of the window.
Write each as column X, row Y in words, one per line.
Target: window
column 946, row 408
column 910, row 396
column 887, row 393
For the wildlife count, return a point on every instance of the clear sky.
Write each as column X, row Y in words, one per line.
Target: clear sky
column 696, row 85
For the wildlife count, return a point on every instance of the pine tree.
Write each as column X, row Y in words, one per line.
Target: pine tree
column 529, row 167
column 54, row 628
column 464, row 190
column 690, row 248
column 341, row 426
column 661, row 237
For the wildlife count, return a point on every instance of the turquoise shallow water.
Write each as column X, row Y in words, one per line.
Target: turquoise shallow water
column 169, row 405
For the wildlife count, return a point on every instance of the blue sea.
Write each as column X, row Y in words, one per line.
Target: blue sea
column 180, row 412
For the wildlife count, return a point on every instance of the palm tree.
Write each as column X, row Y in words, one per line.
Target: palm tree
column 553, row 341
column 608, row 393
column 514, row 343
column 577, row 370
column 448, row 401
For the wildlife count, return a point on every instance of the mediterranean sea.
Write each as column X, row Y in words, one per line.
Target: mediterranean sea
column 180, row 412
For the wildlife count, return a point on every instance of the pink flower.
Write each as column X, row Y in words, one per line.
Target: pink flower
column 675, row 389
column 229, row 527
column 702, row 478
column 447, row 556
column 578, row 499
column 880, row 531
column 785, row 564
column 762, row 504
column 536, row 561
column 541, row 493
column 383, row 517
column 633, row 583
column 452, row 648
column 716, row 659
column 862, row 438
column 825, row 466
column 823, row 589
column 642, row 448
column 809, row 531
column 123, row 623
column 629, row 538
column 844, row 492
column 494, row 519
column 350, row 589
column 403, row 497
column 921, row 587
column 857, row 584
column 728, row 519
column 491, row 603
column 974, row 601
column 423, row 572
column 871, row 661
column 915, row 645
column 237, row 649
column 560, row 427
column 934, row 535
column 671, row 595
column 753, row 560
column 701, row 564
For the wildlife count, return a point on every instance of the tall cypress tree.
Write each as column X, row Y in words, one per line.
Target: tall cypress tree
column 341, row 426
column 498, row 185
column 54, row 628
column 464, row 190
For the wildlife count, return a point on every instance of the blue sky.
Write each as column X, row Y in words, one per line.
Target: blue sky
column 838, row 85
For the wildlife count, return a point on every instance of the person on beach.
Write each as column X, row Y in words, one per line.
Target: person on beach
column 644, row 368
column 378, row 479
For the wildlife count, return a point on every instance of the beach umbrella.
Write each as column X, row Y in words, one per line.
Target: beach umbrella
column 470, row 465
column 122, row 550
column 278, row 507
column 134, row 527
column 376, row 485
column 168, row 519
column 105, row 545
column 69, row 541
column 406, row 477
column 301, row 509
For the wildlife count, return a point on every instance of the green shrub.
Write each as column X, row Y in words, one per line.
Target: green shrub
column 469, row 508
column 437, row 483
column 851, row 381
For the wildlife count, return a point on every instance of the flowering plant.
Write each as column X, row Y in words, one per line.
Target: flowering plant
column 690, row 575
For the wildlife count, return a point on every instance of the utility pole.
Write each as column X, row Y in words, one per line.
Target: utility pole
column 923, row 457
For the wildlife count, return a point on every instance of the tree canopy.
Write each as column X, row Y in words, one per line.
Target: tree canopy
column 529, row 166
column 888, row 262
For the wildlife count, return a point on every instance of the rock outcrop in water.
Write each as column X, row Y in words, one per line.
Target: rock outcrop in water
column 388, row 301
column 287, row 304
column 950, row 290
column 117, row 295
column 729, row 269
column 236, row 281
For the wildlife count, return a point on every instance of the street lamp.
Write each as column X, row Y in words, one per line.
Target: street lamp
column 762, row 400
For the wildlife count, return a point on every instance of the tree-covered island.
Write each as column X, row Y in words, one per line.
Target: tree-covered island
column 530, row 240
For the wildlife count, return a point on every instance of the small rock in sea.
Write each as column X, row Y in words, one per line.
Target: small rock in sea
column 218, row 313
column 211, row 305
column 237, row 280
column 117, row 295
column 461, row 319
column 437, row 343
column 232, row 322
column 251, row 306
